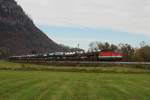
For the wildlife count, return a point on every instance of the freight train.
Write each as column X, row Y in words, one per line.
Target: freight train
column 72, row 56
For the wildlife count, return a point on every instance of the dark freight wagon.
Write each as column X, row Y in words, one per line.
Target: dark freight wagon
column 72, row 56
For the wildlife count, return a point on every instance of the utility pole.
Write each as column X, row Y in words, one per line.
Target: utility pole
column 78, row 45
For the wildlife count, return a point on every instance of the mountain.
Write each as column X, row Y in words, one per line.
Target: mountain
column 18, row 33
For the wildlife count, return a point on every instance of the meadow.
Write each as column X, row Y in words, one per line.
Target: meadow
column 18, row 83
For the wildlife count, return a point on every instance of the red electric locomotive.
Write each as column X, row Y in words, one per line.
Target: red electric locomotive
column 109, row 56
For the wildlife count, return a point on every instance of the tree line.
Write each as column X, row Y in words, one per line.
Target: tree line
column 130, row 53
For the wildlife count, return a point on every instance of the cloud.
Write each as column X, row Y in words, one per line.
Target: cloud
column 125, row 15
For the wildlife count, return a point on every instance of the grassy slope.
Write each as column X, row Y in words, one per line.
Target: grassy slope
column 4, row 65
column 36, row 85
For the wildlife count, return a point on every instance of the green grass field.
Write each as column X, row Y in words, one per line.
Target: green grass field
column 59, row 85
column 36, row 85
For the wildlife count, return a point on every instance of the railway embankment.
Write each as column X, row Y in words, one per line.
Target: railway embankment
column 75, row 67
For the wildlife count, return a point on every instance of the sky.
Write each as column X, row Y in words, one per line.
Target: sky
column 73, row 22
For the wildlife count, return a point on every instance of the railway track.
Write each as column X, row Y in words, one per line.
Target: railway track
column 97, row 62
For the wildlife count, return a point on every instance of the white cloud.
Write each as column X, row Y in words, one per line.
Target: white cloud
column 125, row 15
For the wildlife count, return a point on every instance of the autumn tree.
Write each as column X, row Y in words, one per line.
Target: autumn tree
column 127, row 50
column 4, row 52
column 145, row 52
